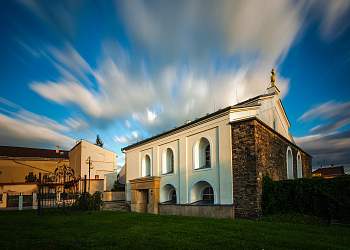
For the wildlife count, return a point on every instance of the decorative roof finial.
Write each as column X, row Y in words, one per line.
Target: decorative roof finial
column 273, row 78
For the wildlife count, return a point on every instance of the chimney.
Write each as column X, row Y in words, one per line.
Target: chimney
column 332, row 165
column 321, row 167
column 57, row 149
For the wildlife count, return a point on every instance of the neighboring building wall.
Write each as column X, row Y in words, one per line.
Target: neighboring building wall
column 257, row 150
column 23, row 188
column 122, row 176
column 103, row 161
column 110, row 179
column 75, row 159
column 15, row 172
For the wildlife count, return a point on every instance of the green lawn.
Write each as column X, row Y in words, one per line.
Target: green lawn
column 118, row 230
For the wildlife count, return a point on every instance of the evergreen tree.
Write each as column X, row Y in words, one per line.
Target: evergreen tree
column 99, row 142
column 31, row 177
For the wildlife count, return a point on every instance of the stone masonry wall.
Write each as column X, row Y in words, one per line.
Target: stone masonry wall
column 244, row 170
column 257, row 150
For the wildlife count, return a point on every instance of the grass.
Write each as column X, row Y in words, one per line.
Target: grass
column 118, row 230
column 296, row 218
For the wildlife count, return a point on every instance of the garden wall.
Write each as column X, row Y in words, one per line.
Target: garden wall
column 113, row 196
column 215, row 211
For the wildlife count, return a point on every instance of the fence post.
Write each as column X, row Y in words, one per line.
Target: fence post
column 20, row 201
column 35, row 201
column 39, row 196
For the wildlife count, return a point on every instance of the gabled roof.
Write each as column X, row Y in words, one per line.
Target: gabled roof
column 22, row 152
column 332, row 171
column 252, row 102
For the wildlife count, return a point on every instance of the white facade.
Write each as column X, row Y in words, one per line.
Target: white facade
column 195, row 160
column 104, row 162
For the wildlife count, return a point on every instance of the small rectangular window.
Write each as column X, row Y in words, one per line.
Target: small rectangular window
column 97, row 177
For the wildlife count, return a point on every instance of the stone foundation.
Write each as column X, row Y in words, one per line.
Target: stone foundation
column 215, row 211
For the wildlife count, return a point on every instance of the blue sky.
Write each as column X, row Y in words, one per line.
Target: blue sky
column 127, row 70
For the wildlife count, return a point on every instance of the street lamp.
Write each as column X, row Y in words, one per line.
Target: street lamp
column 88, row 161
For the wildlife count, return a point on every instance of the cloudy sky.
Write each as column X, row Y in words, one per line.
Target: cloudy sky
column 127, row 70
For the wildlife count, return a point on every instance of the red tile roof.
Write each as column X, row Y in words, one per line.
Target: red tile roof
column 21, row 152
column 330, row 172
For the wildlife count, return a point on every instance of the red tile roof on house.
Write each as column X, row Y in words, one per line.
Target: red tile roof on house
column 21, row 152
column 330, row 172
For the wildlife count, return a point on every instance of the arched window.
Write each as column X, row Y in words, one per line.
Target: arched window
column 146, row 166
column 168, row 161
column 202, row 154
column 274, row 125
column 289, row 157
column 172, row 197
column 208, row 195
column 299, row 166
column 202, row 192
column 207, row 155
column 167, row 194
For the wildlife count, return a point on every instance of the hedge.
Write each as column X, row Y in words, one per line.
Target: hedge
column 325, row 198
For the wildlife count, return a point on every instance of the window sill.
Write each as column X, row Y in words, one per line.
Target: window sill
column 168, row 174
column 202, row 169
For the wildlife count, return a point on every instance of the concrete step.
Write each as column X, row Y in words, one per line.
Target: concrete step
column 117, row 207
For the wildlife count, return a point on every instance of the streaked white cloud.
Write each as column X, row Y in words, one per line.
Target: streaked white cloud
column 334, row 19
column 77, row 124
column 331, row 148
column 126, row 139
column 17, row 132
column 335, row 115
column 183, row 56
column 24, row 128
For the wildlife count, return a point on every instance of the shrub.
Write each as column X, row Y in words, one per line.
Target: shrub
column 325, row 198
column 95, row 201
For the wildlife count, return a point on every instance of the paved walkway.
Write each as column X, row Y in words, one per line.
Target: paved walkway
column 15, row 208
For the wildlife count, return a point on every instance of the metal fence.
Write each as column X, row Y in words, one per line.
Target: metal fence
column 61, row 192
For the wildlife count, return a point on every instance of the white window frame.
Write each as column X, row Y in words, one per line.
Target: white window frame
column 161, row 190
column 290, row 174
column 299, row 165
column 164, row 161
column 196, row 154
column 274, row 124
column 143, row 167
column 216, row 198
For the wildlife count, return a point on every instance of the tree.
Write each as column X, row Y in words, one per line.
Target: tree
column 31, row 177
column 99, row 142
column 115, row 186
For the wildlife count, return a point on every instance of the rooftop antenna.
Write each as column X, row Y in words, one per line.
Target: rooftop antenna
column 214, row 105
column 237, row 96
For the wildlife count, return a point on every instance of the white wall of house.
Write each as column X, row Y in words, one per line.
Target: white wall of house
column 103, row 160
column 217, row 131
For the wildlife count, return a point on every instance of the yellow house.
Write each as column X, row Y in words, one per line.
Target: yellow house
column 17, row 162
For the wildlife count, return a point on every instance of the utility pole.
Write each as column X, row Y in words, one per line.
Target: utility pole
column 88, row 161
